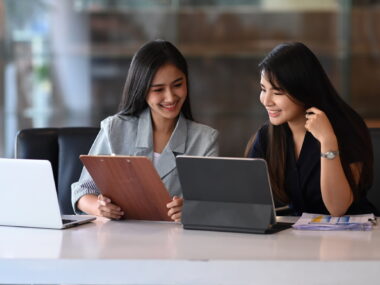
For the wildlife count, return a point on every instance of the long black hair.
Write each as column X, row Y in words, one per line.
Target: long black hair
column 145, row 63
column 293, row 67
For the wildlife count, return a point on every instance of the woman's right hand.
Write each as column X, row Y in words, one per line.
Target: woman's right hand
column 105, row 208
column 99, row 206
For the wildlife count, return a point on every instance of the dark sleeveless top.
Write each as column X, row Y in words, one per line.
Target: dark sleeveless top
column 302, row 176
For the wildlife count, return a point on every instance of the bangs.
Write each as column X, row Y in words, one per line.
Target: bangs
column 269, row 76
column 272, row 80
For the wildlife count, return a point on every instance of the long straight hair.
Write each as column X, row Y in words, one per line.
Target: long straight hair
column 294, row 68
column 145, row 63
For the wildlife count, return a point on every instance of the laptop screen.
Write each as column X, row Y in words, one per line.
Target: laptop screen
column 222, row 192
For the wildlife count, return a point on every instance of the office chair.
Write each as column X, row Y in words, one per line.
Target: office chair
column 62, row 147
column 374, row 193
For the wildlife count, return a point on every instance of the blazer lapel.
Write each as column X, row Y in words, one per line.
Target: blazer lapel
column 144, row 140
column 175, row 146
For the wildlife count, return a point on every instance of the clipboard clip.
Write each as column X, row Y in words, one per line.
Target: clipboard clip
column 373, row 221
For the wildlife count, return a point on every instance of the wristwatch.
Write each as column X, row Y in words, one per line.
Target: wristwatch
column 330, row 154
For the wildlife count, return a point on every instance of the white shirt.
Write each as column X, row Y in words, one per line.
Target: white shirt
column 156, row 156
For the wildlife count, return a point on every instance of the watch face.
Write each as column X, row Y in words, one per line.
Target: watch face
column 330, row 155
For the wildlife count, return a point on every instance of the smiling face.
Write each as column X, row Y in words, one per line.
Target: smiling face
column 167, row 93
column 281, row 107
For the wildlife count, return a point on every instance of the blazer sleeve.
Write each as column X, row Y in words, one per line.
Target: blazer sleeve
column 85, row 185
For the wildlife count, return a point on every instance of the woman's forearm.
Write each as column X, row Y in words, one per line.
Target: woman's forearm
column 336, row 191
column 88, row 204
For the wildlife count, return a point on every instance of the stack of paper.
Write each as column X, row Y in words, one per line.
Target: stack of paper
column 328, row 223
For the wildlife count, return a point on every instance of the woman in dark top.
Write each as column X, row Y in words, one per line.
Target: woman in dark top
column 318, row 149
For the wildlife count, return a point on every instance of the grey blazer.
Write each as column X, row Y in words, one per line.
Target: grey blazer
column 127, row 135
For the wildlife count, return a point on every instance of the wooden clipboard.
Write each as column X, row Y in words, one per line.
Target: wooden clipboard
column 132, row 183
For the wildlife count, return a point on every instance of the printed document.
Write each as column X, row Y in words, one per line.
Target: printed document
column 328, row 223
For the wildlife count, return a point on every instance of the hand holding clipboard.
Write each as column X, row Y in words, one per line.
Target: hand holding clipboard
column 132, row 183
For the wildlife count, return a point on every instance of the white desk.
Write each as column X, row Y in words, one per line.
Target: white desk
column 132, row 252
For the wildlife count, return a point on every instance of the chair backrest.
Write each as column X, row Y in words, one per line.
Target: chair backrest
column 62, row 147
column 374, row 193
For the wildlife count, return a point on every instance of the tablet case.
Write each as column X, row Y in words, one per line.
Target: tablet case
column 227, row 194
column 132, row 183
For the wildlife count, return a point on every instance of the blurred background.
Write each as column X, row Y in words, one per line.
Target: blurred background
column 64, row 62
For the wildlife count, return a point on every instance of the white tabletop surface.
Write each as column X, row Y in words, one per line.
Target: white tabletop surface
column 138, row 252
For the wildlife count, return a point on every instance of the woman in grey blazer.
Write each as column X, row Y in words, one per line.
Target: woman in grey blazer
column 155, row 121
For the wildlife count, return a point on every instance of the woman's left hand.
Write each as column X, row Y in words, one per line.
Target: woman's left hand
column 175, row 209
column 318, row 124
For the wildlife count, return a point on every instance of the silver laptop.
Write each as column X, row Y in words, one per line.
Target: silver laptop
column 29, row 197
